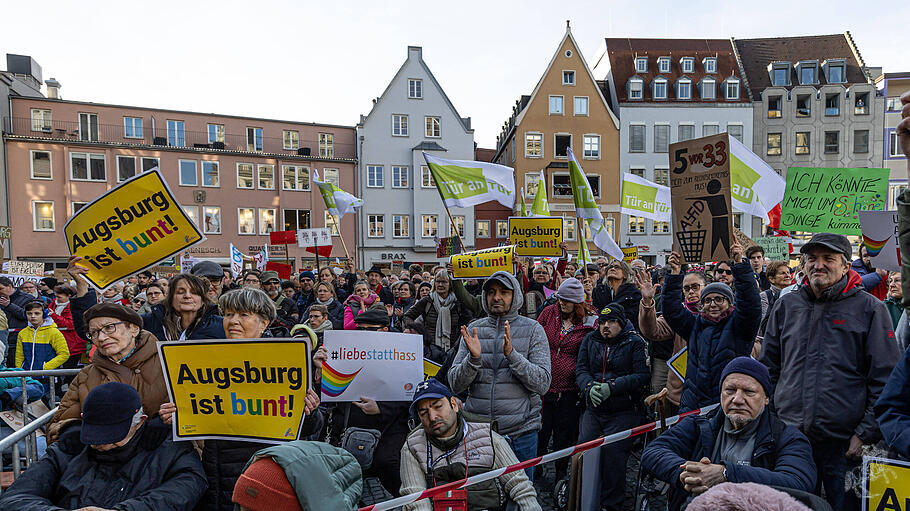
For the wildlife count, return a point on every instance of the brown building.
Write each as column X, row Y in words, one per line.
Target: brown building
column 566, row 109
column 487, row 215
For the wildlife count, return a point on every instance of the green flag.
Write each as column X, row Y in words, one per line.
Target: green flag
column 584, row 255
column 586, row 208
column 524, row 207
column 540, row 207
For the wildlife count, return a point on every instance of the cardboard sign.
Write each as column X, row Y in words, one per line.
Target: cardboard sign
column 539, row 236
column 629, row 254
column 700, row 198
column 384, row 366
column 129, row 228
column 829, row 199
column 314, row 237
column 880, row 238
column 283, row 237
column 24, row 267
column 678, row 363
column 449, row 246
column 886, row 484
column 776, row 248
column 483, row 263
column 252, row 389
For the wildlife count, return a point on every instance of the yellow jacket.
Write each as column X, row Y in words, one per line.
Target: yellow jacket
column 41, row 348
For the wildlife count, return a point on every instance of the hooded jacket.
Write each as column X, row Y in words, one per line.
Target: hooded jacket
column 507, row 389
column 712, row 344
column 621, row 363
column 563, row 348
column 209, row 326
column 829, row 359
column 41, row 348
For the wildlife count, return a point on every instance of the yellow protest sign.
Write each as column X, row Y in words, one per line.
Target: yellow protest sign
column 629, row 254
column 482, row 263
column 430, row 369
column 678, row 363
column 538, row 236
column 129, row 228
column 887, row 484
column 246, row 389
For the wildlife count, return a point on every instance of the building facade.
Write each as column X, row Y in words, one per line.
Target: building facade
column 891, row 86
column 403, row 213
column 238, row 178
column 668, row 91
column 566, row 109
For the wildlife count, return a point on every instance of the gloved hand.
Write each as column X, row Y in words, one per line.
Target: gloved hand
column 599, row 393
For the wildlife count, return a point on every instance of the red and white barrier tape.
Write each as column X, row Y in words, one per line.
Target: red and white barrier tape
column 562, row 453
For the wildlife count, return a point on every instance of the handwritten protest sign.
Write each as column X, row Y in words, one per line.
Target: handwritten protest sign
column 829, row 200
column 245, row 389
column 482, row 263
column 539, row 236
column 384, row 366
column 321, row 236
column 777, row 248
column 24, row 267
column 629, row 254
column 880, row 239
column 887, row 484
column 129, row 228
column 678, row 363
column 700, row 198
column 18, row 280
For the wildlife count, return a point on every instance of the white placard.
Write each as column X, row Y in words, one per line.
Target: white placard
column 384, row 366
column 321, row 237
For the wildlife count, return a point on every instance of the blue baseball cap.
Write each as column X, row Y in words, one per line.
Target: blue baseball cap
column 429, row 389
column 107, row 413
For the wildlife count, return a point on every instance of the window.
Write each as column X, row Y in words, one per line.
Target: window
column 637, row 138
column 176, row 137
column 426, row 177
column 735, row 131
column 266, row 220
column 591, row 146
column 132, row 127
column 428, row 223
column 569, row 228
column 556, row 105
column 483, row 229
column 836, row 73
column 663, row 64
column 401, row 226
column 568, row 77
column 266, row 177
column 660, row 88
column 41, row 120
column 432, row 126
column 562, row 144
column 212, row 219
column 215, row 132
column 512, row 146
column 375, row 176
column 41, row 165
column 802, row 142
column 245, row 176
column 400, row 176
column 710, row 65
column 399, row 125
column 188, row 173
column 803, row 105
column 895, row 191
column 193, row 213
column 376, row 226
column 636, row 224
column 290, row 140
column 415, row 88
column 637, row 172
column 780, row 75
column 459, row 224
column 87, row 167
column 636, row 86
column 88, row 127
column 533, row 145
column 686, row 132
column 658, row 227
column 684, row 88
column 246, row 221
column 149, row 163
column 641, row 64
column 254, row 139
column 296, row 219
column 562, row 185
column 532, row 181
column 807, row 74
column 774, row 106
column 731, row 91
column 894, row 145
column 861, row 141
column 331, row 223
column 43, row 215
column 662, row 176
column 861, row 104
column 774, row 144
column 687, row 64
column 78, row 205
column 832, row 104
column 211, row 174
column 295, row 177
column 661, row 138
column 738, row 220
column 832, row 142
column 126, row 167
column 580, row 105
column 708, row 88
column 710, row 129
column 502, row 228
column 331, row 176
column 326, row 145
column 893, row 104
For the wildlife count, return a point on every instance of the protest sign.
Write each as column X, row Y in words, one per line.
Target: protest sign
column 23, row 267
column 539, row 236
column 18, row 280
column 283, row 237
column 237, row 259
column 129, row 228
column 678, row 363
column 430, row 369
column 384, row 366
column 743, row 240
column 700, row 198
column 251, row 389
column 643, row 198
column 314, row 237
column 886, row 484
column 61, row 275
column 629, row 254
column 187, row 262
column 829, row 199
column 776, row 248
column 482, row 263
column 449, row 246
column 880, row 239
column 284, row 270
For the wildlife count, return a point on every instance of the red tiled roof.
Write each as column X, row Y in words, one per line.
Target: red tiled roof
column 481, row 154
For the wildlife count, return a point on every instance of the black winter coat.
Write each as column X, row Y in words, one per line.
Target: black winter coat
column 209, row 326
column 150, row 473
column 625, row 370
column 626, row 295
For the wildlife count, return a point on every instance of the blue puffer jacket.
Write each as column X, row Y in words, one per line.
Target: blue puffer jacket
column 782, row 455
column 625, row 370
column 209, row 326
column 893, row 407
column 712, row 345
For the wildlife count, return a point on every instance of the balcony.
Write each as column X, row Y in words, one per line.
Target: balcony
column 71, row 131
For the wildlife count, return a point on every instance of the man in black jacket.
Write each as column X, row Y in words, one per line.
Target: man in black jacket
column 287, row 309
column 374, row 277
column 114, row 461
column 12, row 302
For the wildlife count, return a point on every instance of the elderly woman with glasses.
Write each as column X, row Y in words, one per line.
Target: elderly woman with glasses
column 617, row 286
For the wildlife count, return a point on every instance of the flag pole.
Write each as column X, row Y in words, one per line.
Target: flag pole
column 454, row 227
column 343, row 244
column 579, row 225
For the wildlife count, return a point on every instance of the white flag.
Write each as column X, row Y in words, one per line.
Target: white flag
column 337, row 201
column 755, row 187
column 586, row 207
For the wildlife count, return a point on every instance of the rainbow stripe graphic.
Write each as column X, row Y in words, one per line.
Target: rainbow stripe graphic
column 335, row 382
column 874, row 247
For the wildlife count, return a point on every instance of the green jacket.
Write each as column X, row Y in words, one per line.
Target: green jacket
column 895, row 309
column 12, row 382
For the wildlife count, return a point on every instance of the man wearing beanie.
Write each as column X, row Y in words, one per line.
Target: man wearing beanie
column 307, row 295
column 748, row 443
column 566, row 324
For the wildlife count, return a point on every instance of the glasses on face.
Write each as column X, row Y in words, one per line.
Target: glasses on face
column 139, row 302
column 316, row 316
column 693, row 287
column 250, row 281
column 614, row 267
column 107, row 329
column 723, row 270
column 271, row 283
column 719, row 300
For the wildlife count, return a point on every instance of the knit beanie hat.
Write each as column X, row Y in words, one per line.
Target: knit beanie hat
column 571, row 290
column 613, row 311
column 264, row 486
column 717, row 288
column 750, row 367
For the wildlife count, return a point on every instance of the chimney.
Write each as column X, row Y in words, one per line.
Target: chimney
column 53, row 88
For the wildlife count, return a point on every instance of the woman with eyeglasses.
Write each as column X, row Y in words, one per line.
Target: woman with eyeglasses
column 722, row 329
column 155, row 294
column 617, row 287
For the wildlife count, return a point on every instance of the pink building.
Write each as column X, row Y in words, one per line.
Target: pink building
column 238, row 177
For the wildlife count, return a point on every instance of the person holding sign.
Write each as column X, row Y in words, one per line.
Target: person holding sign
column 721, row 330
column 442, row 313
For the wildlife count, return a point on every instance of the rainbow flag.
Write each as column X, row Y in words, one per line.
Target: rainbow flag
column 334, row 382
column 874, row 247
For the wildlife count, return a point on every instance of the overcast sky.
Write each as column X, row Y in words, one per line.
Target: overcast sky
column 325, row 61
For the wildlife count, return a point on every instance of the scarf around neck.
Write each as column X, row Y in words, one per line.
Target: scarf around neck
column 363, row 302
column 443, row 318
column 326, row 303
column 724, row 315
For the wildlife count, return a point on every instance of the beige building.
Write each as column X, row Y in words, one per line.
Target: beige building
column 891, row 86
